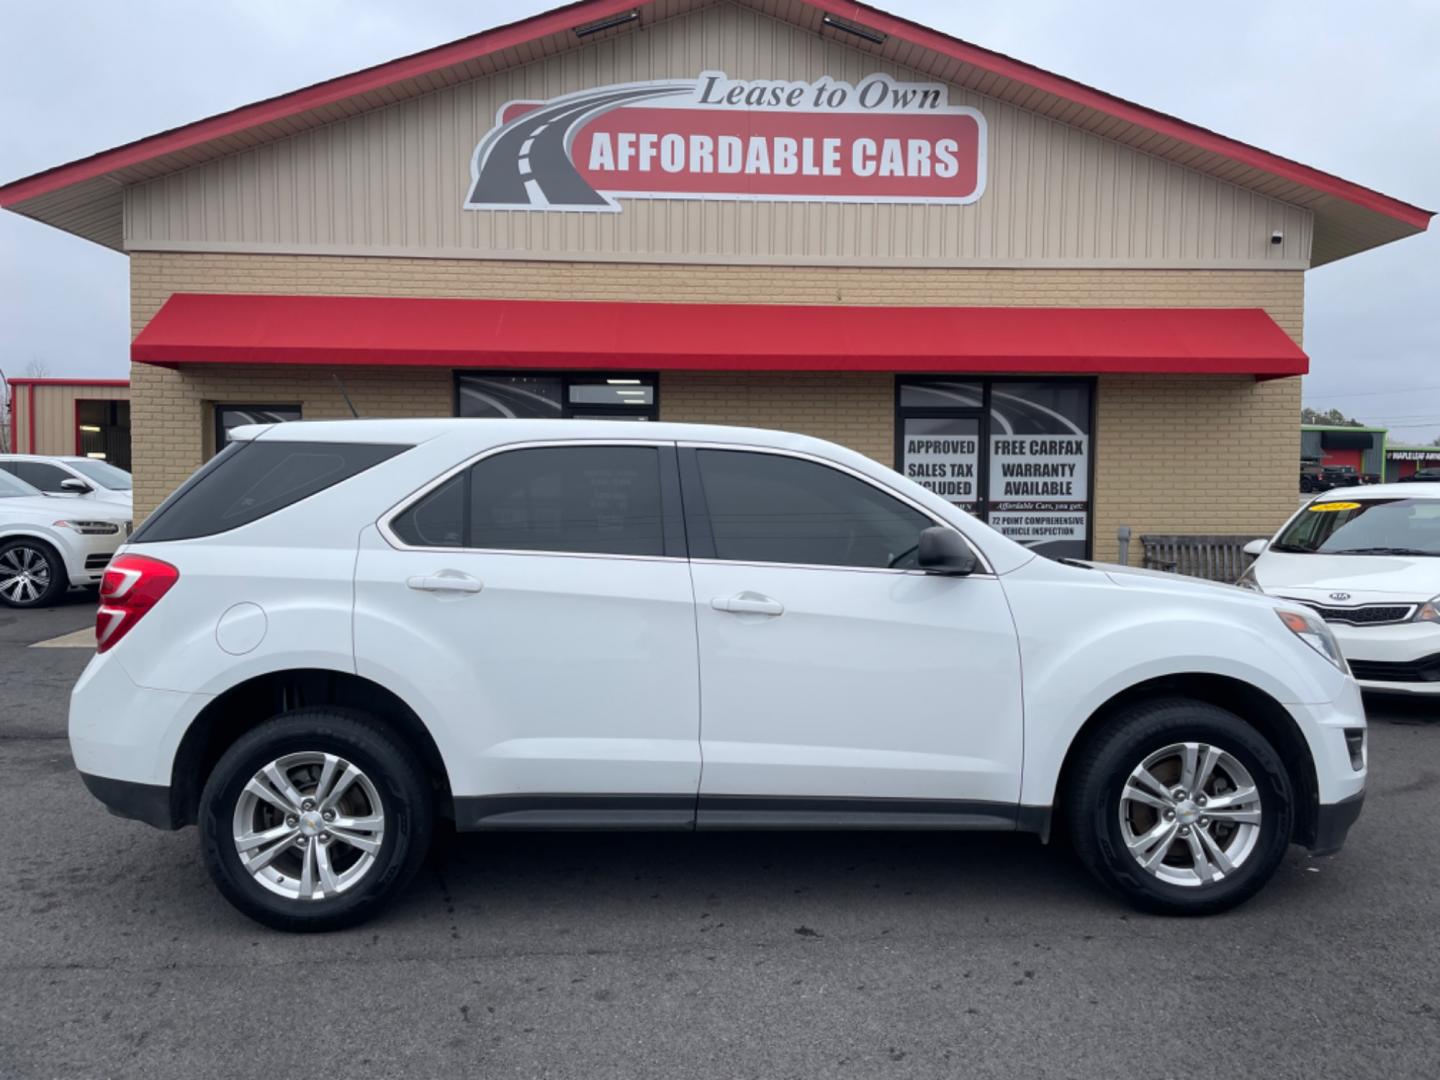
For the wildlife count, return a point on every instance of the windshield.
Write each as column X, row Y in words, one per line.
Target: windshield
column 102, row 472
column 1368, row 527
column 12, row 487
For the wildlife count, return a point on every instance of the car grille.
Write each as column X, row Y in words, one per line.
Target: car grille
column 96, row 562
column 1426, row 669
column 1361, row 615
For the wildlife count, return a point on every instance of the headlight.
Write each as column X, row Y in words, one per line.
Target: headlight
column 90, row 528
column 1311, row 629
column 1428, row 611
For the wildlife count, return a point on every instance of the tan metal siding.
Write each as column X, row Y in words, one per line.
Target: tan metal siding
column 393, row 180
column 53, row 419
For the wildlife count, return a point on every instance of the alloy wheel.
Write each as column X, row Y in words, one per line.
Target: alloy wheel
column 1190, row 814
column 24, row 574
column 309, row 826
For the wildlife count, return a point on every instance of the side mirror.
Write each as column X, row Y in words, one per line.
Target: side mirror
column 944, row 551
column 75, row 484
column 1255, row 548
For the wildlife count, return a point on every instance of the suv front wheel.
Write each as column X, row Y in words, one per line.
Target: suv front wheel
column 1181, row 807
column 315, row 819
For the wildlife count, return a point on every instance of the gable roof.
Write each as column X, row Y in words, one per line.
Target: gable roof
column 84, row 197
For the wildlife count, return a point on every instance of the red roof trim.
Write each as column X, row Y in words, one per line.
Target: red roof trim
column 576, row 14
column 27, row 381
column 194, row 328
column 312, row 97
column 1128, row 111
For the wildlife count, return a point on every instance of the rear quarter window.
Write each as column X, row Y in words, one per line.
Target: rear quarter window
column 251, row 480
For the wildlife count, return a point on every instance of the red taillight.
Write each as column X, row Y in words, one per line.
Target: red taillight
column 132, row 585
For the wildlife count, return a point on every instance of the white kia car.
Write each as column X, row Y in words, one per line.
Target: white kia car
column 334, row 633
column 1368, row 560
column 76, row 477
column 48, row 544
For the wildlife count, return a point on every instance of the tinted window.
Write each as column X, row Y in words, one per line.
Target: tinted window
column 38, row 474
column 769, row 508
column 248, row 481
column 438, row 519
column 602, row 499
column 589, row 499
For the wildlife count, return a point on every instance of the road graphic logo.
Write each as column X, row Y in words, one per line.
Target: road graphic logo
column 713, row 137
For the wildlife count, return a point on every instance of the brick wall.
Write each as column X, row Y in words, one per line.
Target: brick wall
column 1155, row 433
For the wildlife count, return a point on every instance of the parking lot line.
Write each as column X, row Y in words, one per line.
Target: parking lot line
column 84, row 638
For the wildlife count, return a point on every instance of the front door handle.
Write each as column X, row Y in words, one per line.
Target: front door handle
column 445, row 581
column 748, row 603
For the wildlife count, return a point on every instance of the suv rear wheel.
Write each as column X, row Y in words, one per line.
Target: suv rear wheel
column 315, row 820
column 1181, row 807
column 31, row 574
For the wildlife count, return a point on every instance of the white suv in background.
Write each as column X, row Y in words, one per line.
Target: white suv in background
column 75, row 477
column 335, row 632
column 1368, row 560
column 48, row 543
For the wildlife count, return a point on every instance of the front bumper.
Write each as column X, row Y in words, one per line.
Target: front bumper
column 87, row 555
column 1332, row 823
column 1401, row 658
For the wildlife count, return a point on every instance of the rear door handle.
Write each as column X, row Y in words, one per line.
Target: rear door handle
column 452, row 581
column 748, row 603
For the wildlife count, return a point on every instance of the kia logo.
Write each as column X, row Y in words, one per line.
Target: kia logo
column 1339, row 596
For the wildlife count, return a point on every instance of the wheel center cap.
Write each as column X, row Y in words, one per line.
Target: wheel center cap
column 1187, row 813
column 311, row 824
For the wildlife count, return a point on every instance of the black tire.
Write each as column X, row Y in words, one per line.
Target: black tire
column 1093, row 803
column 23, row 549
column 397, row 777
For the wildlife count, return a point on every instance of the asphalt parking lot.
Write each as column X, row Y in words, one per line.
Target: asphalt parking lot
column 762, row 956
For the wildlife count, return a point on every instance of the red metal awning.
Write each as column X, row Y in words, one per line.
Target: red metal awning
column 195, row 328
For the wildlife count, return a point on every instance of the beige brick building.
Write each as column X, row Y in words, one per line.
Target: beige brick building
column 897, row 193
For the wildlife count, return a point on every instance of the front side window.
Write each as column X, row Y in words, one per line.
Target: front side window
column 602, row 500
column 1364, row 527
column 778, row 509
column 38, row 474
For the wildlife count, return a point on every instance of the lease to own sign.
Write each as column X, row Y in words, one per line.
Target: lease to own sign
column 714, row 137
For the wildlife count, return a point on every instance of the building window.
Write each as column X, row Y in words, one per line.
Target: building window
column 102, row 431
column 1013, row 452
column 233, row 416
column 557, row 396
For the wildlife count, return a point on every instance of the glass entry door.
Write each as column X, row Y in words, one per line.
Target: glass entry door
column 1013, row 452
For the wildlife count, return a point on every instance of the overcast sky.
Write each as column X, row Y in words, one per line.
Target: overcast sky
column 1353, row 89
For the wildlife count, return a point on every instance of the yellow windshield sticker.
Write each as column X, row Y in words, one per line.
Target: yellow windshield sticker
column 1333, row 506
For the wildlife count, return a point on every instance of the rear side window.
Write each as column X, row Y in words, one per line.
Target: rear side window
column 602, row 500
column 249, row 481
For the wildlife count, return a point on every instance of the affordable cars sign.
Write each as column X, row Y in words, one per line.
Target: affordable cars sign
column 877, row 141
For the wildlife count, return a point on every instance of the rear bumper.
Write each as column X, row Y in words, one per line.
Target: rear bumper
column 149, row 803
column 1332, row 823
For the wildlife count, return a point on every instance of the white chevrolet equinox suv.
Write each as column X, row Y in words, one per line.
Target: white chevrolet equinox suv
column 334, row 634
